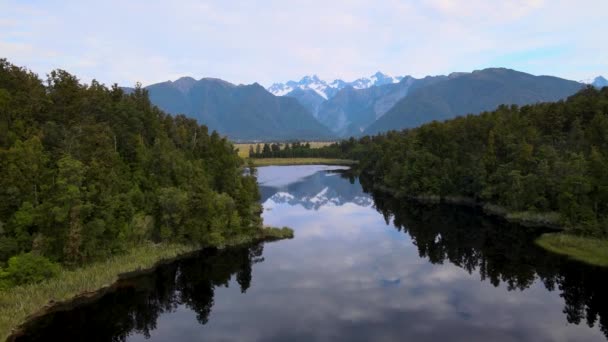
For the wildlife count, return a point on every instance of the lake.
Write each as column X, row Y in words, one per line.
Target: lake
column 362, row 267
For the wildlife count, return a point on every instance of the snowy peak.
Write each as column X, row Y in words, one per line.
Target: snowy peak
column 328, row 196
column 379, row 79
column 329, row 89
column 307, row 82
column 279, row 89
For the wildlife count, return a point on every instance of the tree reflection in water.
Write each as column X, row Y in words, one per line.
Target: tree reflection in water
column 140, row 301
column 499, row 252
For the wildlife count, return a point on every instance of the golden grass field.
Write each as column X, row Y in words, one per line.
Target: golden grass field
column 301, row 161
column 244, row 148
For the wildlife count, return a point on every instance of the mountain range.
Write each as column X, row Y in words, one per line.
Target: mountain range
column 241, row 112
column 327, row 90
column 313, row 109
column 323, row 188
column 475, row 92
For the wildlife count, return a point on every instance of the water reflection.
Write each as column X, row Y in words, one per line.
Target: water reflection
column 363, row 267
column 500, row 253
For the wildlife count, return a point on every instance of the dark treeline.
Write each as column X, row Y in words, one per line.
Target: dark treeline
column 137, row 305
column 87, row 171
column 287, row 150
column 546, row 160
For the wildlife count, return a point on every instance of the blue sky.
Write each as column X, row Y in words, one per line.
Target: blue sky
column 277, row 40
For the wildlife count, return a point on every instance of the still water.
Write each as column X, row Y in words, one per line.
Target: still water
column 362, row 267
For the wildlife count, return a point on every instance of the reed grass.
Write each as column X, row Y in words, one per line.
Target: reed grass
column 19, row 302
column 588, row 250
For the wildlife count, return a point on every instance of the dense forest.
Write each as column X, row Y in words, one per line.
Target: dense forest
column 545, row 162
column 87, row 171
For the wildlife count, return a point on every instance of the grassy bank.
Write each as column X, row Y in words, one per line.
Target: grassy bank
column 301, row 161
column 589, row 250
column 19, row 303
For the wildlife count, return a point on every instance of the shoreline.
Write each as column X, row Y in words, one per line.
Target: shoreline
column 588, row 250
column 22, row 305
column 548, row 220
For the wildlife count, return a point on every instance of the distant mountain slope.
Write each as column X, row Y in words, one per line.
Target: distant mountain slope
column 243, row 112
column 464, row 93
column 309, row 98
column 352, row 110
column 600, row 82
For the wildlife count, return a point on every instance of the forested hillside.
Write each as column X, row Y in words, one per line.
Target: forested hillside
column 547, row 162
column 87, row 171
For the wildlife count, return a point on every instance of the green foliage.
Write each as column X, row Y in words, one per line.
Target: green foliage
column 87, row 171
column 539, row 159
column 27, row 268
column 19, row 303
column 273, row 233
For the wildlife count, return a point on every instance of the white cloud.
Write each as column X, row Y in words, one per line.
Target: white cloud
column 244, row 42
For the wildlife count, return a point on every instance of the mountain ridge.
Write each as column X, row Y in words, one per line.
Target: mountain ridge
column 241, row 112
column 472, row 93
column 315, row 109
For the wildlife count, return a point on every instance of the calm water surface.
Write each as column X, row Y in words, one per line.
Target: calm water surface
column 363, row 267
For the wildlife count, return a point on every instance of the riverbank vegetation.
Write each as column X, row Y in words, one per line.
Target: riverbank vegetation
column 19, row 302
column 547, row 160
column 589, row 250
column 88, row 172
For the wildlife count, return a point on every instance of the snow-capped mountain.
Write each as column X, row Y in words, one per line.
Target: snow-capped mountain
column 324, row 188
column 306, row 83
column 376, row 79
column 325, row 197
column 328, row 89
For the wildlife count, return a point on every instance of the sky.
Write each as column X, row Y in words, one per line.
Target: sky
column 267, row 41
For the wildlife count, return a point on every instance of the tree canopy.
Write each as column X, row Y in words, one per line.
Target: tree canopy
column 86, row 171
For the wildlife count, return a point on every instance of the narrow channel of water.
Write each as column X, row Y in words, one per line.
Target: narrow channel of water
column 362, row 267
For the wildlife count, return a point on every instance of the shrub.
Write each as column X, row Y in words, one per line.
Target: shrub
column 27, row 268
